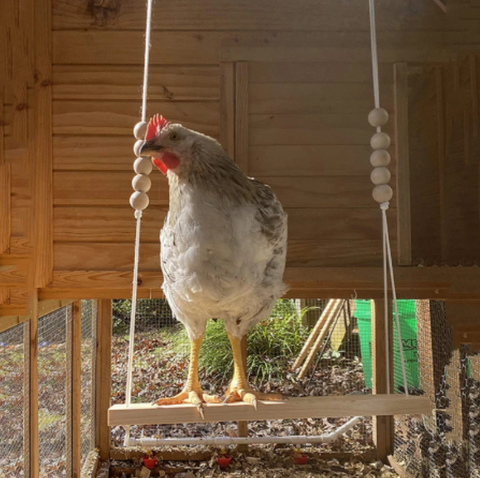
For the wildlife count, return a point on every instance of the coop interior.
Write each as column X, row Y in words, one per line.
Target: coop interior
column 380, row 387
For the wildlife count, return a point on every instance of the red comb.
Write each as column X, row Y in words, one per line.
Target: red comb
column 155, row 125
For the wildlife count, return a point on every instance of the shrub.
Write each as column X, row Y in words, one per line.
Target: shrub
column 272, row 345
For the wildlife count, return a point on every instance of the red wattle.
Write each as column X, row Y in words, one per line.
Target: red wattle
column 160, row 166
column 170, row 160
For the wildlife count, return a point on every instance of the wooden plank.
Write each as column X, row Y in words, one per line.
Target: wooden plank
column 118, row 82
column 9, row 321
column 227, row 107
column 242, row 106
column 383, row 428
column 244, row 15
column 102, row 188
column 40, row 145
column 132, row 453
column 13, row 275
column 313, row 335
column 26, row 400
column 337, row 128
column 103, row 377
column 307, row 407
column 119, row 117
column 301, row 98
column 5, row 206
column 76, row 389
column 312, row 159
column 69, row 393
column 203, row 47
column 404, row 231
column 318, row 72
column 46, row 307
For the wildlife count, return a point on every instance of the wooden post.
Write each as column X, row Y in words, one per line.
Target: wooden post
column 76, row 389
column 243, row 426
column 26, row 399
column 103, row 377
column 383, row 429
column 33, row 389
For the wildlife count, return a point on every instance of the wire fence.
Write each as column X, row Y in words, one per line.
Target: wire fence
column 447, row 442
column 161, row 361
column 54, row 387
column 14, row 387
column 88, row 344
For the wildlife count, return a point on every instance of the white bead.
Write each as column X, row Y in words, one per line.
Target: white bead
column 378, row 117
column 382, row 193
column 139, row 201
column 380, row 141
column 140, row 129
column 380, row 157
column 142, row 183
column 379, row 176
column 137, row 146
column 143, row 166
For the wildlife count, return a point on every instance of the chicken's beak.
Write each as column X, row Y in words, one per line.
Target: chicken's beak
column 149, row 147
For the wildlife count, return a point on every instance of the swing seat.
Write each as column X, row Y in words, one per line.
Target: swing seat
column 304, row 407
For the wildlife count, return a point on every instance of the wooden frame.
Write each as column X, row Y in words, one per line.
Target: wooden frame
column 309, row 407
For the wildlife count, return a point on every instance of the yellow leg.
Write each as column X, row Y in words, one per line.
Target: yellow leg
column 239, row 389
column 192, row 391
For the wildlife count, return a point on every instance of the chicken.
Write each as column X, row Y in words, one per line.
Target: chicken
column 223, row 249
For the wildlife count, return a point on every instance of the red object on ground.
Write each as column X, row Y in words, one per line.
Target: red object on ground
column 300, row 459
column 149, row 462
column 224, row 460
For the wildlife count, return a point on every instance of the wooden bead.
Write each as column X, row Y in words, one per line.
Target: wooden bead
column 139, row 201
column 143, row 166
column 380, row 141
column 382, row 193
column 140, row 129
column 380, row 176
column 378, row 117
column 380, row 157
column 137, row 146
column 142, row 183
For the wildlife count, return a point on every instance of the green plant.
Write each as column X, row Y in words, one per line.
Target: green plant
column 272, row 345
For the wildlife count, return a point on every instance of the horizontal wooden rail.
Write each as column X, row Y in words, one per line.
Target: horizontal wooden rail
column 308, row 407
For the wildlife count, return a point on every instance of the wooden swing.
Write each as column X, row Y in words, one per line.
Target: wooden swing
column 381, row 404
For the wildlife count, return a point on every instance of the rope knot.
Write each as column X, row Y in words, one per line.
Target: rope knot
column 384, row 206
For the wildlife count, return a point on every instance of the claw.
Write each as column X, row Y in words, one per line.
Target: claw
column 199, row 407
column 254, row 403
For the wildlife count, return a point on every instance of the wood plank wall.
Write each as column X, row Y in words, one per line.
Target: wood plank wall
column 296, row 115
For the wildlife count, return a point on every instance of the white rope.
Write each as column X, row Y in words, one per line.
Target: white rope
column 146, row 60
column 138, row 216
column 387, row 253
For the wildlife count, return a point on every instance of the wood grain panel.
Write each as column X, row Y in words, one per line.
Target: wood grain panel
column 247, row 15
column 288, row 98
column 317, row 72
column 310, row 160
column 203, row 47
column 111, row 188
column 303, row 129
column 113, row 225
column 119, row 118
column 98, row 82
column 301, row 253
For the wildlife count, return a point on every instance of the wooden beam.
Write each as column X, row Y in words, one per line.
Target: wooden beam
column 227, row 107
column 241, row 115
column 33, row 389
column 404, row 222
column 103, row 377
column 383, row 430
column 5, row 206
column 40, row 145
column 76, row 389
column 308, row 407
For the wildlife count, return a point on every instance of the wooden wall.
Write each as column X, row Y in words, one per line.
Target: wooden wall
column 71, row 85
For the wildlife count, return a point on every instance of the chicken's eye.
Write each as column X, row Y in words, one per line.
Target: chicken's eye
column 174, row 136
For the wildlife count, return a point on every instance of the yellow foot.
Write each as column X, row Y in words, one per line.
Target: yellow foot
column 238, row 393
column 196, row 397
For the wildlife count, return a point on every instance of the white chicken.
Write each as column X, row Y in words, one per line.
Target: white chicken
column 223, row 248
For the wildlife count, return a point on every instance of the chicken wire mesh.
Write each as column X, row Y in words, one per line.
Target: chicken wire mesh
column 161, row 361
column 445, row 443
column 13, row 395
column 87, row 387
column 53, row 390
